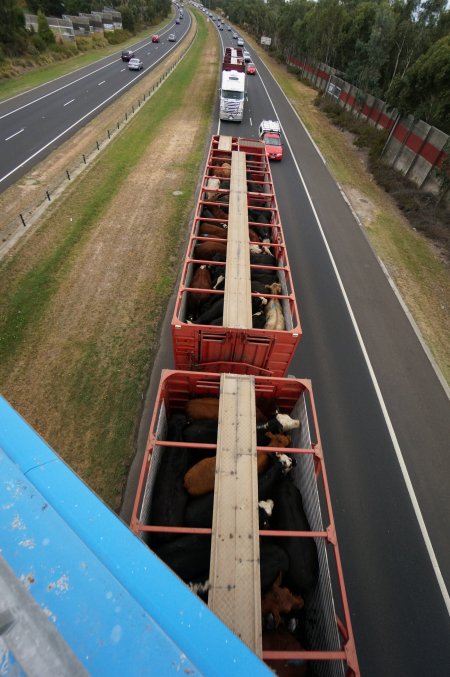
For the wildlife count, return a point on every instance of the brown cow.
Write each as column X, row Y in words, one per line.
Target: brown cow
column 273, row 309
column 200, row 280
column 212, row 230
column 279, row 601
column 208, row 408
column 218, row 212
column 253, row 237
column 224, row 171
column 200, row 478
column 206, row 250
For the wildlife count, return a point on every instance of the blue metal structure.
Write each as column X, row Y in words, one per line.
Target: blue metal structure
column 79, row 593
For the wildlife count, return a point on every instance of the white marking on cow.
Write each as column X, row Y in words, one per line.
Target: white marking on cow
column 267, row 506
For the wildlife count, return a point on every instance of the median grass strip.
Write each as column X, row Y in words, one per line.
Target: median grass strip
column 85, row 295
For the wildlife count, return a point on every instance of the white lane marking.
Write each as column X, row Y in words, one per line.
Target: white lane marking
column 69, row 102
column 101, row 83
column 55, row 91
column 124, row 69
column 73, row 82
column 15, row 134
column 296, row 115
column 251, row 123
column 74, row 124
column 390, row 427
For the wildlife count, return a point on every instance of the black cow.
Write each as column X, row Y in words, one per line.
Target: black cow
column 289, row 515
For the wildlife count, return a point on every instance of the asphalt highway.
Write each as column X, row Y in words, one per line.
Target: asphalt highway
column 384, row 415
column 33, row 124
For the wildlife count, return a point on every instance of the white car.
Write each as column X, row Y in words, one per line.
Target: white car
column 135, row 64
column 172, row 37
column 247, row 56
column 240, row 42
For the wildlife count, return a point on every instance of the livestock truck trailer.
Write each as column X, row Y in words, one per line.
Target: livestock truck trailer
column 260, row 549
column 237, row 235
column 233, row 494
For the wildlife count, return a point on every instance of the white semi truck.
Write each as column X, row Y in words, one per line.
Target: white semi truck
column 232, row 91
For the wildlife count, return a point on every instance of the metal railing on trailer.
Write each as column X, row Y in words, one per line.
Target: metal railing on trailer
column 236, row 539
column 237, row 196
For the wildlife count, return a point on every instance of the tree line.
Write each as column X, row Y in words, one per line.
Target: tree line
column 16, row 40
column 398, row 50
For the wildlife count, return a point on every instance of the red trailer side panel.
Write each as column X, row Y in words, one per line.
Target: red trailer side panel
column 326, row 637
column 212, row 345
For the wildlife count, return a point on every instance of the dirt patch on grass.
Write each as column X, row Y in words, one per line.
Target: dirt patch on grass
column 80, row 376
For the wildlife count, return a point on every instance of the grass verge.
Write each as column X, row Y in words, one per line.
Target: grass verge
column 81, row 316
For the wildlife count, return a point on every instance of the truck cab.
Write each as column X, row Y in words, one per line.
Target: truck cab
column 270, row 134
column 232, row 95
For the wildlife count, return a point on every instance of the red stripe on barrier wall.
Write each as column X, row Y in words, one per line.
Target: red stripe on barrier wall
column 310, row 69
column 414, row 142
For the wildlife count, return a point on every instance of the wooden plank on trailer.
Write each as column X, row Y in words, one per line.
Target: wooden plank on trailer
column 235, row 594
column 225, row 142
column 237, row 309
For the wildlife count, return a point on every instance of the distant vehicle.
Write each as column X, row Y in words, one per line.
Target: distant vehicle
column 127, row 54
column 177, row 21
column 240, row 42
column 270, row 133
column 220, row 27
column 135, row 64
column 247, row 56
column 251, row 68
column 155, row 38
column 228, row 28
column 234, row 36
column 172, row 37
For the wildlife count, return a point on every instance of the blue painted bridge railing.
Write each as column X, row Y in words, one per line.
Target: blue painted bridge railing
column 80, row 594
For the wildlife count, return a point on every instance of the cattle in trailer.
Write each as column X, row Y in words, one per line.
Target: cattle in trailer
column 289, row 515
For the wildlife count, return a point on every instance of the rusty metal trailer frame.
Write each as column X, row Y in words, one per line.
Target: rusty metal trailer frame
column 236, row 347
column 329, row 628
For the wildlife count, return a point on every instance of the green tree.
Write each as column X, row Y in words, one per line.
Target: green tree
column 47, row 7
column 366, row 70
column 44, row 31
column 127, row 18
column 13, row 36
column 424, row 90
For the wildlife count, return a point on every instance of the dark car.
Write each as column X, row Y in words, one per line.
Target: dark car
column 127, row 54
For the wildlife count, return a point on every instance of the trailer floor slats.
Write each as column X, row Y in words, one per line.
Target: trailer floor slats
column 234, row 571
column 237, row 310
